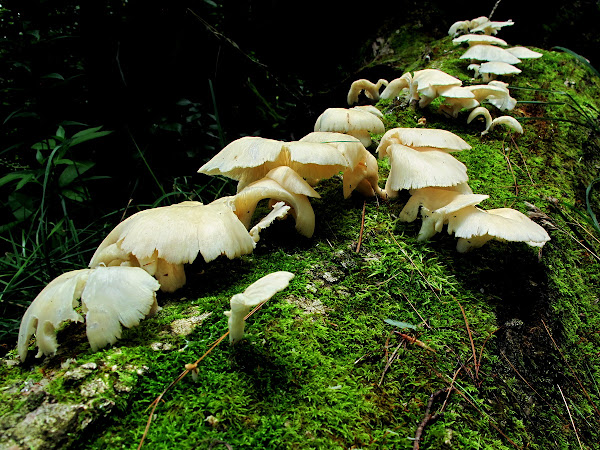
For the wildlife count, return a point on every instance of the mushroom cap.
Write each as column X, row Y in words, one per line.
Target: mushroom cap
column 489, row 27
column 422, row 137
column 498, row 68
column 481, row 111
column 414, row 169
column 457, row 92
column 177, row 233
column 349, row 146
column 458, row 26
column 258, row 292
column 115, row 296
column 110, row 296
column 505, row 224
column 481, row 52
column 245, row 201
column 291, row 181
column 523, row 52
column 427, row 84
column 351, row 121
column 474, row 39
column 370, row 109
column 509, row 121
column 249, row 158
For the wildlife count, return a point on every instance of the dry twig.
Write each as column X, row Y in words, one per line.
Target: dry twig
column 430, row 418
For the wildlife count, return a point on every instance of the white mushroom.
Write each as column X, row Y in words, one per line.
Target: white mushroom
column 509, row 121
column 481, row 111
column 474, row 39
column 489, row 70
column 258, row 292
column 396, row 86
column 110, row 297
column 481, row 52
column 428, row 84
column 457, row 98
column 523, row 52
column 490, row 27
column 161, row 240
column 370, row 89
column 474, row 227
column 355, row 122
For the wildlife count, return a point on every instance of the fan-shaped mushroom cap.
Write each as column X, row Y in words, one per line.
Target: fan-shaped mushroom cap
column 422, row 137
column 474, row 23
column 509, row 121
column 481, row 52
column 396, row 86
column 370, row 109
column 250, row 158
column 354, row 122
column 523, row 52
column 490, row 27
column 110, row 296
column 371, row 89
column 258, row 292
column 492, row 68
column 427, row 84
column 475, row 227
column 474, row 39
column 175, row 234
column 431, row 198
column 414, row 169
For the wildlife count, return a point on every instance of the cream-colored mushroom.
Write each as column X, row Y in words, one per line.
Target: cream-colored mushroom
column 457, row 98
column 523, row 52
column 490, row 27
column 474, row 39
column 495, row 93
column 481, row 111
column 481, row 52
column 509, row 121
column 396, row 86
column 428, row 84
column 422, row 138
column 362, row 170
column 258, row 292
column 370, row 89
column 355, row 122
column 110, row 297
column 474, row 227
column 250, row 158
column 161, row 240
column 489, row 70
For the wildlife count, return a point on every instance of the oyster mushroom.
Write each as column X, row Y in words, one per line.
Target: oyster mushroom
column 161, row 240
column 483, row 52
column 111, row 297
column 370, row 89
column 355, row 122
column 258, row 292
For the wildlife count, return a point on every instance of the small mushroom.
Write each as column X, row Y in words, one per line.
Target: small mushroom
column 422, row 137
column 509, row 121
column 481, row 111
column 489, row 70
column 428, row 84
column 490, row 27
column 457, row 98
column 494, row 92
column 370, row 89
column 474, row 227
column 396, row 86
column 355, row 122
column 258, row 292
column 110, row 297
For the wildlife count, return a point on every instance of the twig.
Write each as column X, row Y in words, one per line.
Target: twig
column 429, row 418
column 523, row 159
column 510, row 169
column 570, row 416
column 415, row 341
column 362, row 227
column 413, row 307
column 389, row 363
column 470, row 339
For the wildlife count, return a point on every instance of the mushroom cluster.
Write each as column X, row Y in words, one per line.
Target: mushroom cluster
column 148, row 251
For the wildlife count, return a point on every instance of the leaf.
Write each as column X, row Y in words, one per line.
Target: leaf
column 589, row 206
column 399, row 324
column 88, row 134
column 16, row 176
column 56, row 76
column 73, row 171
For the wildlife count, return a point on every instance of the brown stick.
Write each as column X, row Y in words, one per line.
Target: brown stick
column 429, row 418
column 362, row 227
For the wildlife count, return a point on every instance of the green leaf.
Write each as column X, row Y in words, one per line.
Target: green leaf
column 589, row 205
column 56, row 76
column 75, row 195
column 73, row 171
column 88, row 134
column 15, row 176
column 399, row 324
